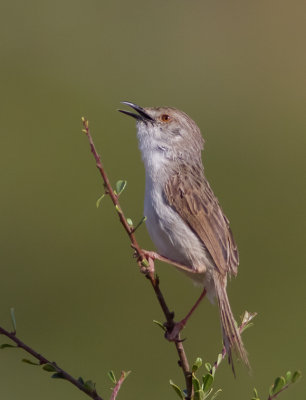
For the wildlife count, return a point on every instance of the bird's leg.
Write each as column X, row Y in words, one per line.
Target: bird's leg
column 155, row 256
column 173, row 335
column 173, row 331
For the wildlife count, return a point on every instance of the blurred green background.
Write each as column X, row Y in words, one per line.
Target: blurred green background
column 238, row 69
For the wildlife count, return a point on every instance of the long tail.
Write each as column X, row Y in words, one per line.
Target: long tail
column 231, row 336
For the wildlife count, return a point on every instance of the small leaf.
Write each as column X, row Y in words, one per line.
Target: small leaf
column 216, row 394
column 158, row 323
column 111, row 376
column 207, row 394
column 213, row 371
column 208, row 380
column 143, row 219
column 288, row 376
column 255, row 392
column 219, row 359
column 256, row 397
column 49, row 368
column 247, row 326
column 5, row 345
column 279, row 383
column 197, row 364
column 99, row 200
column 271, row 390
column 57, row 375
column 296, row 375
column 196, row 383
column 118, row 209
column 25, row 360
column 145, row 263
column 129, row 221
column 246, row 320
column 120, row 186
column 199, row 395
column 208, row 366
column 81, row 380
column 12, row 310
column 177, row 390
column 126, row 374
column 90, row 385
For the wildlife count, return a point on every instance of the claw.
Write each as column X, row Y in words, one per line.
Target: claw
column 173, row 335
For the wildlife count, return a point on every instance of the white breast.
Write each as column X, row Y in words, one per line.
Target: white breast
column 172, row 237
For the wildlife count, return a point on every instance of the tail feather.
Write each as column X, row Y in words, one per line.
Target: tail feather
column 231, row 336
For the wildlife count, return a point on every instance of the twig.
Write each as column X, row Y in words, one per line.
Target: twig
column 143, row 263
column 276, row 394
column 42, row 361
column 118, row 385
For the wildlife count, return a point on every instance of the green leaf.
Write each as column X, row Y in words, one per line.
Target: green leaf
column 219, row 359
column 99, row 200
column 208, row 366
column 296, row 375
column 216, row 394
column 143, row 219
column 196, row 383
column 177, row 390
column 246, row 320
column 207, row 382
column 57, row 375
column 25, row 360
column 12, row 310
column 49, row 368
column 111, row 376
column 197, row 364
column 255, row 392
column 90, row 385
column 118, row 209
column 288, row 376
column 120, row 186
column 207, row 394
column 247, row 326
column 129, row 221
column 81, row 380
column 279, row 383
column 5, row 345
column 199, row 395
column 145, row 263
column 126, row 374
column 158, row 323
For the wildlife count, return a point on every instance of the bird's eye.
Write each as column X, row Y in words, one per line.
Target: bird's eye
column 165, row 118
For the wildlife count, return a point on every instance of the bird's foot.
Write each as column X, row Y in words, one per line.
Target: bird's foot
column 173, row 335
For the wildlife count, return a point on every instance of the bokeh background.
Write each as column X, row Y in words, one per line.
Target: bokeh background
column 238, row 69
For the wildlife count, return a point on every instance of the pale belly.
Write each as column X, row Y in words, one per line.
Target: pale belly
column 172, row 236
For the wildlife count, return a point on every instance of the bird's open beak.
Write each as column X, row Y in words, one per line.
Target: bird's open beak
column 142, row 114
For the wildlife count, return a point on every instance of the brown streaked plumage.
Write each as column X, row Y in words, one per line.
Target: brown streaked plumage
column 184, row 218
column 190, row 194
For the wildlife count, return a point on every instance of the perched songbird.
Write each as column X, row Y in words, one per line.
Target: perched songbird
column 184, row 218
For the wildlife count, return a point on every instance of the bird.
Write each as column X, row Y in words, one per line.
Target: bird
column 183, row 216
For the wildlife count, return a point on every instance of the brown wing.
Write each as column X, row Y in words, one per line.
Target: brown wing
column 192, row 198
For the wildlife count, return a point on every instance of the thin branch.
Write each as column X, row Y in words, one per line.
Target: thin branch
column 145, row 267
column 58, row 370
column 276, row 394
column 118, row 385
